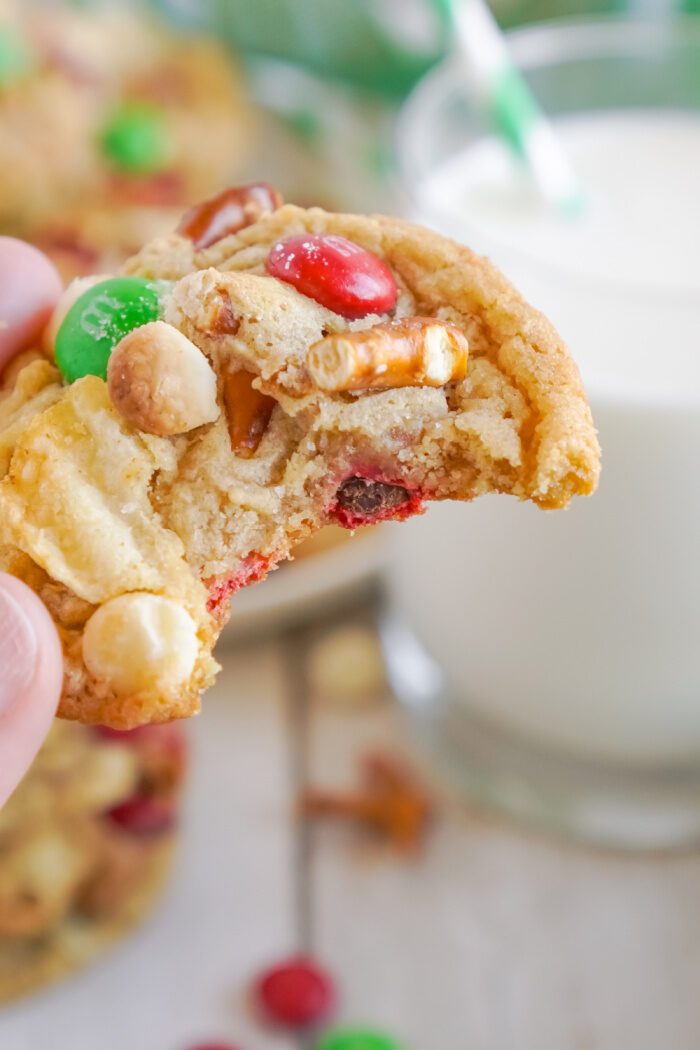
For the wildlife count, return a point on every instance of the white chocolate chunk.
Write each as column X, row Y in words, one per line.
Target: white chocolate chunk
column 141, row 641
column 161, row 382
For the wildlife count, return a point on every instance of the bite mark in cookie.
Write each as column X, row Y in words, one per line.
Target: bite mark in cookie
column 254, row 567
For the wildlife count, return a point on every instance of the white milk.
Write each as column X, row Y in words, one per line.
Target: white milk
column 582, row 629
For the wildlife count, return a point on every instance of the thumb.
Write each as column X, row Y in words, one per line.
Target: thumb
column 31, row 672
column 29, row 289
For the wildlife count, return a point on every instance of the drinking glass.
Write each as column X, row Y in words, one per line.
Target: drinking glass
column 552, row 661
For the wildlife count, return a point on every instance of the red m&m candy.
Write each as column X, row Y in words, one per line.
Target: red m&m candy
column 337, row 273
column 296, row 993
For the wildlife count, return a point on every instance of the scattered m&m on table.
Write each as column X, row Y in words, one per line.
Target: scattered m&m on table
column 297, row 993
column 339, row 1039
column 214, row 1046
column 356, row 1039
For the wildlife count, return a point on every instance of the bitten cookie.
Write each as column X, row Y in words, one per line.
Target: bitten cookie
column 261, row 373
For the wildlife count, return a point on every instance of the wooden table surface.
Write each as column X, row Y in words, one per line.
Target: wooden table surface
column 495, row 939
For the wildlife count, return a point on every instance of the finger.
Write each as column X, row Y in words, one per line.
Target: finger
column 31, row 673
column 29, row 289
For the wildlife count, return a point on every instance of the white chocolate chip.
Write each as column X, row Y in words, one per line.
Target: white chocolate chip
column 161, row 382
column 71, row 295
column 139, row 642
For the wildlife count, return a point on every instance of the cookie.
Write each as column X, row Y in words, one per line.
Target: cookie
column 262, row 373
column 85, row 844
column 109, row 124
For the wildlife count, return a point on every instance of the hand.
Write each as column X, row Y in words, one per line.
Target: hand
column 31, row 663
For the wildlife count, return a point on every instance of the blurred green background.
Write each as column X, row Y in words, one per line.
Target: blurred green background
column 333, row 72
column 382, row 45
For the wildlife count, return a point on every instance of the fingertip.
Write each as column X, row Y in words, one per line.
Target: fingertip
column 34, row 663
column 30, row 287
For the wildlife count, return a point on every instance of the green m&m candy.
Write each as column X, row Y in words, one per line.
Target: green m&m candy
column 99, row 319
column 135, row 139
column 356, row 1039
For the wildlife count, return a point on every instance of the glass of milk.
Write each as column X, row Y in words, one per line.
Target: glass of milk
column 553, row 659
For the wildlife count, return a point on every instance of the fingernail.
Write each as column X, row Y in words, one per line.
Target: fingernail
column 19, row 651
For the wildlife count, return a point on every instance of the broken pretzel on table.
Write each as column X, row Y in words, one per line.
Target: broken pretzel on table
column 262, row 372
column 390, row 802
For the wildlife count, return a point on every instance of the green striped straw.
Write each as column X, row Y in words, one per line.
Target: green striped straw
column 507, row 97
